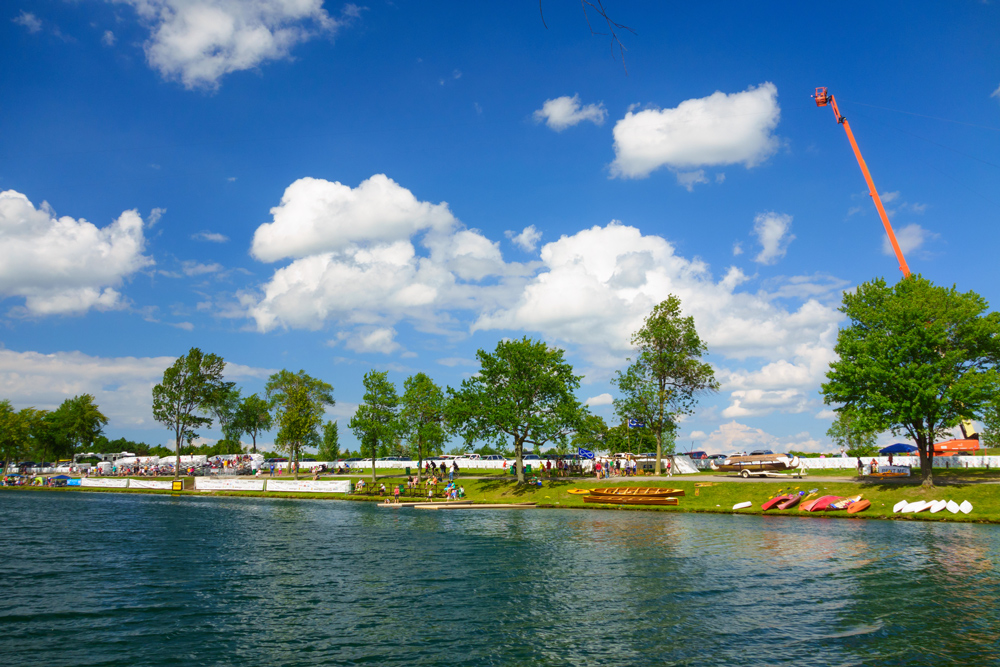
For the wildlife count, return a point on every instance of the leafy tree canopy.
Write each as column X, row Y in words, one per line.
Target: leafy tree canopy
column 423, row 417
column 848, row 433
column 189, row 387
column 253, row 417
column 667, row 375
column 915, row 359
column 376, row 422
column 523, row 391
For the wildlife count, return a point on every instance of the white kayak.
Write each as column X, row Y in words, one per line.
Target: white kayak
column 938, row 505
column 898, row 507
column 952, row 507
column 740, row 506
column 914, row 507
column 966, row 507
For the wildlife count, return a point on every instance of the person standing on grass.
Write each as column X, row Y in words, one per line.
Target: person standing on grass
column 861, row 467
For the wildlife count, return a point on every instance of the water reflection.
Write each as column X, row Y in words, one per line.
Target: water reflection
column 152, row 580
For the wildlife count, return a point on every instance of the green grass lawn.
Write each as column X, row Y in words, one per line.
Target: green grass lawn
column 957, row 485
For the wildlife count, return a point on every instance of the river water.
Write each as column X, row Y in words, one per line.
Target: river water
column 115, row 579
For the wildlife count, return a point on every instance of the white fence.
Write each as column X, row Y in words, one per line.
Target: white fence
column 842, row 463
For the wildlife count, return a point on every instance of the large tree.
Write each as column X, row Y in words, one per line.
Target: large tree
column 423, row 417
column 225, row 407
column 329, row 448
column 298, row 401
column 376, row 421
column 298, row 420
column 188, row 388
column 523, row 391
column 14, row 433
column 253, row 417
column 81, row 421
column 915, row 359
column 663, row 381
column 848, row 433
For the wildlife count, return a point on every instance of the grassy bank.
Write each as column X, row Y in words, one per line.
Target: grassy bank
column 718, row 498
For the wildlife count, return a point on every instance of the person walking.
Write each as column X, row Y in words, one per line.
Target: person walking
column 670, row 471
column 861, row 468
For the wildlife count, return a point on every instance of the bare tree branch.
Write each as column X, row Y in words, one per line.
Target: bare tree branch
column 613, row 26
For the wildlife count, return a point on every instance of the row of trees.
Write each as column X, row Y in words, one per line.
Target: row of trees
column 523, row 396
column 46, row 435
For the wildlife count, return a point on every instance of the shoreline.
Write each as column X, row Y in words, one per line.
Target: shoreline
column 696, row 499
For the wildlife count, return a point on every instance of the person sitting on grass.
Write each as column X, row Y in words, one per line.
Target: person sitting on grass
column 381, row 489
column 430, row 493
column 461, row 492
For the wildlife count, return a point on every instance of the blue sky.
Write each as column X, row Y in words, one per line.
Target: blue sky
column 299, row 184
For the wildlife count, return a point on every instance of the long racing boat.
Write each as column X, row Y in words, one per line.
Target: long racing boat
column 757, row 463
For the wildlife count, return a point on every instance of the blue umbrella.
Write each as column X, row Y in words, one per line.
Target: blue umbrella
column 898, row 448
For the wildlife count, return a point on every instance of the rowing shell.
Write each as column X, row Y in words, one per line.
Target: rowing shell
column 630, row 500
column 647, row 491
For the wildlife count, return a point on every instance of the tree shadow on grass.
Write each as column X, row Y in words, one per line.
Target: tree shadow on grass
column 511, row 487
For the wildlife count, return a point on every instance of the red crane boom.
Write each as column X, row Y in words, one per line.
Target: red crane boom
column 823, row 99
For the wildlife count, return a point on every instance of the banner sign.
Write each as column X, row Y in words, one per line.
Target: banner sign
column 150, row 484
column 72, row 482
column 106, row 483
column 585, row 454
column 636, row 423
column 215, row 484
column 310, row 486
column 894, row 470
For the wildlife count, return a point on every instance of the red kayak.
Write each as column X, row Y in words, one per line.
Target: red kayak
column 773, row 502
column 823, row 503
column 807, row 505
column 790, row 503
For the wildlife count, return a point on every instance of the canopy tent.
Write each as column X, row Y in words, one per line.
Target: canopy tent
column 60, row 477
column 898, row 448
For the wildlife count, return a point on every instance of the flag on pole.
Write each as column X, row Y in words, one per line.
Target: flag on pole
column 585, row 453
column 636, row 423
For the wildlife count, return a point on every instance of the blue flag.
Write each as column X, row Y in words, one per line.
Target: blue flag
column 636, row 423
column 585, row 453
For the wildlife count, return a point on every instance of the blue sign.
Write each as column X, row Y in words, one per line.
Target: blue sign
column 636, row 423
column 585, row 453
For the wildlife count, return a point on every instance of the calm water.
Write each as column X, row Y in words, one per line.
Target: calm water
column 104, row 579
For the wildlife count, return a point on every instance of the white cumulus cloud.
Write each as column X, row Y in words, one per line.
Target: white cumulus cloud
column 910, row 238
column 597, row 285
column 527, row 239
column 123, row 386
column 369, row 255
column 734, row 437
column 771, row 230
column 317, row 216
column 63, row 265
column 566, row 111
column 600, row 399
column 199, row 41
column 716, row 130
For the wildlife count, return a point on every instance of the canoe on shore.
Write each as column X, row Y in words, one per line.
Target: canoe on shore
column 631, row 500
column 645, row 491
column 790, row 503
column 774, row 502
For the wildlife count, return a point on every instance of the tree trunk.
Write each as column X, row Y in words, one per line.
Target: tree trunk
column 177, row 462
column 374, row 450
column 295, row 461
column 519, row 459
column 420, row 455
column 659, row 450
column 926, row 462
